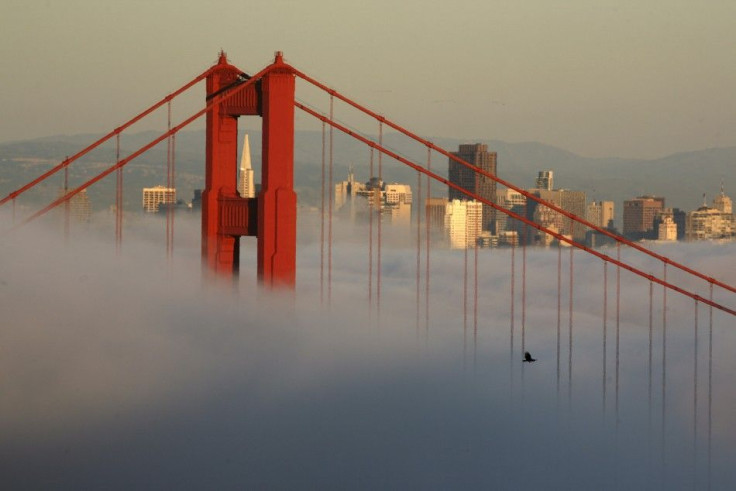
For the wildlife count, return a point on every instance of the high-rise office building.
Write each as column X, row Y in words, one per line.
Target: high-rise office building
column 639, row 216
column 478, row 156
column 570, row 201
column 463, row 223
column 156, row 196
column 434, row 209
column 246, row 184
column 600, row 213
column 513, row 201
column 545, row 180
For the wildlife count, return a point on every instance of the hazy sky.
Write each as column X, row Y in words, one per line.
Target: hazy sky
column 604, row 78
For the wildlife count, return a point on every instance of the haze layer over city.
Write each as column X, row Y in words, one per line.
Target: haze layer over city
column 490, row 356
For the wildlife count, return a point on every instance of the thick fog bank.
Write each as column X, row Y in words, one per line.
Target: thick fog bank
column 129, row 371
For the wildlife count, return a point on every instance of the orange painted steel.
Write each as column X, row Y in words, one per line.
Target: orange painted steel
column 502, row 182
column 556, row 235
column 102, row 140
column 216, row 100
column 277, row 200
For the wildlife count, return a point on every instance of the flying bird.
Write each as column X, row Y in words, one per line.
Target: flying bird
column 528, row 357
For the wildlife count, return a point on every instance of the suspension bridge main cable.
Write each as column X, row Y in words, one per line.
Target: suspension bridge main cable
column 212, row 102
column 102, row 140
column 502, row 182
column 512, row 214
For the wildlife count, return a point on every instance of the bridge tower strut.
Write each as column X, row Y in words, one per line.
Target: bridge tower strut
column 271, row 216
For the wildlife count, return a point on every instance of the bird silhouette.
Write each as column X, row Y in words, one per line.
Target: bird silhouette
column 528, row 357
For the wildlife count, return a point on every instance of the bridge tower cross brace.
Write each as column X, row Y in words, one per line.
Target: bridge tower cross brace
column 271, row 216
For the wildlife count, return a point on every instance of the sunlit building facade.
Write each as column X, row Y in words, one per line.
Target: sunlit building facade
column 477, row 155
column 156, row 196
column 463, row 223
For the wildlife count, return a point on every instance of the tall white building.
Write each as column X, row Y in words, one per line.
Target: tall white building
column 667, row 229
column 246, row 185
column 157, row 196
column 463, row 223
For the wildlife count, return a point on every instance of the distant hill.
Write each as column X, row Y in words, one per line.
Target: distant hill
column 682, row 178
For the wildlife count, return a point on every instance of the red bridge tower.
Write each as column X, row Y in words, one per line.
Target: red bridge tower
column 271, row 216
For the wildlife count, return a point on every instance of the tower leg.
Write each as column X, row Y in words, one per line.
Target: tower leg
column 277, row 200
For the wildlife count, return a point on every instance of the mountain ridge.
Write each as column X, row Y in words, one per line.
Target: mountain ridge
column 681, row 177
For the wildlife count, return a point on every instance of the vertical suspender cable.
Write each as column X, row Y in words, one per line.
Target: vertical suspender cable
column 169, row 205
column 380, row 221
column 605, row 332
column 118, row 199
column 322, row 224
column 569, row 359
column 465, row 300
column 664, row 377
column 523, row 287
column 523, row 298
column 649, row 370
column 415, row 205
column 664, row 374
column 67, row 207
column 710, row 385
column 559, row 313
column 695, row 400
column 475, row 305
column 618, row 329
column 173, row 186
column 330, row 189
column 427, row 225
column 371, row 211
column 511, row 316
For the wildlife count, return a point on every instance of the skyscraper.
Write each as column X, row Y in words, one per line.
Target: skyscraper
column 639, row 216
column 477, row 155
column 600, row 213
column 570, row 201
column 545, row 180
column 246, row 186
column 463, row 223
